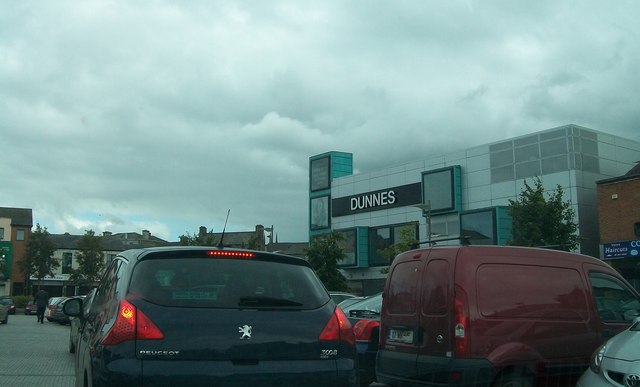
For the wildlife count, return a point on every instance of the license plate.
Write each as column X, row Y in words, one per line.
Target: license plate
column 401, row 335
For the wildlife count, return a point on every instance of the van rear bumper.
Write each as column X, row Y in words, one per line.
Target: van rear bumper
column 433, row 370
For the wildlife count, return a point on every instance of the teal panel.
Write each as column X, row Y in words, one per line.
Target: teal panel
column 504, row 225
column 457, row 188
column 363, row 246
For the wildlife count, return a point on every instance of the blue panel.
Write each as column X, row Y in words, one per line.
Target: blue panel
column 363, row 246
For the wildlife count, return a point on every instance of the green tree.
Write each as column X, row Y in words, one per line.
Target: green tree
column 324, row 253
column 39, row 260
column 407, row 242
column 90, row 258
column 542, row 222
column 200, row 239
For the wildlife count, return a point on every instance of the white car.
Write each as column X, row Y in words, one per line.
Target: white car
column 617, row 362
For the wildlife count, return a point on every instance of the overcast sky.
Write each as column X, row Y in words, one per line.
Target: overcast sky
column 162, row 115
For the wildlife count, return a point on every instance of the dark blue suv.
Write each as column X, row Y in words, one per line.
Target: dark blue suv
column 179, row 316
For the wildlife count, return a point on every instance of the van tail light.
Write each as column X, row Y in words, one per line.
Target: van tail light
column 460, row 325
column 131, row 324
column 338, row 328
column 364, row 328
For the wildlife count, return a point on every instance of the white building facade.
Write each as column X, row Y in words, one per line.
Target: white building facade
column 464, row 193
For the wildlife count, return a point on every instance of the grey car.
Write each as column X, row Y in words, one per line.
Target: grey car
column 617, row 362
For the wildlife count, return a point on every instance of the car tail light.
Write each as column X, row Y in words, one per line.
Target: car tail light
column 363, row 329
column 461, row 324
column 338, row 328
column 131, row 324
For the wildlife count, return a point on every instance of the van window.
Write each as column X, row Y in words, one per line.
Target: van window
column 523, row 291
column 614, row 300
column 403, row 288
column 435, row 289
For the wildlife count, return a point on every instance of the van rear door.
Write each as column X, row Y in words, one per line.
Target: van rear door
column 400, row 334
column 435, row 348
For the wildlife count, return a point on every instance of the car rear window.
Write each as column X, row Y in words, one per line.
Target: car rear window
column 226, row 283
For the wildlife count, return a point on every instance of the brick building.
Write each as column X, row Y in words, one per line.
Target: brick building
column 619, row 218
column 15, row 230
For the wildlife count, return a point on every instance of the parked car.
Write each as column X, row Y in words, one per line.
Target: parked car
column 52, row 304
column 212, row 316
column 31, row 308
column 617, row 362
column 496, row 315
column 4, row 314
column 58, row 312
column 75, row 322
column 364, row 316
column 7, row 300
column 349, row 301
column 338, row 297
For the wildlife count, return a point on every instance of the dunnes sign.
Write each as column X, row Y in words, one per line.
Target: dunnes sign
column 404, row 195
column 621, row 249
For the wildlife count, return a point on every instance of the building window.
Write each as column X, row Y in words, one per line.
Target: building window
column 67, row 263
column 19, row 235
column 636, row 229
column 348, row 245
column 1, row 233
column 479, row 227
column 320, row 213
column 382, row 238
column 320, row 173
column 440, row 189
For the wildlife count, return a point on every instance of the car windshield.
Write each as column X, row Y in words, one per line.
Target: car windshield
column 370, row 305
column 226, row 283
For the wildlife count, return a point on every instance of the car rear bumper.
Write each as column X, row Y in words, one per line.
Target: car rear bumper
column 224, row 373
column 433, row 370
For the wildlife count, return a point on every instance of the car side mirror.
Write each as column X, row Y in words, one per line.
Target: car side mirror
column 73, row 307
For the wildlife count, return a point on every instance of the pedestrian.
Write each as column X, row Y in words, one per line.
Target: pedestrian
column 41, row 301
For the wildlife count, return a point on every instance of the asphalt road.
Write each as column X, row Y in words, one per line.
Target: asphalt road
column 33, row 354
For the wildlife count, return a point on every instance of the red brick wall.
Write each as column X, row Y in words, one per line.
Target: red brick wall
column 618, row 216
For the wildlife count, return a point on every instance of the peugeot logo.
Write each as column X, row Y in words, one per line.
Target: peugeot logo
column 632, row 380
column 246, row 331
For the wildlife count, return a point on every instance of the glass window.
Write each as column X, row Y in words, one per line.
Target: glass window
column 438, row 189
column 614, row 301
column 19, row 235
column 379, row 240
column 320, row 213
column 589, row 147
column 501, row 158
column 320, row 174
column 479, row 227
column 553, row 134
column 1, row 233
column 348, row 245
column 527, row 153
column 401, row 299
column 226, row 283
column 554, row 164
column 554, row 148
column 590, row 164
column 436, row 288
column 502, row 174
column 636, row 229
column 67, row 261
column 528, row 169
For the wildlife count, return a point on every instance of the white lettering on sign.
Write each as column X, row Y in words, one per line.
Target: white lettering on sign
column 373, row 200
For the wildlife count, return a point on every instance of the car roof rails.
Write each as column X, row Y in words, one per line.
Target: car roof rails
column 465, row 240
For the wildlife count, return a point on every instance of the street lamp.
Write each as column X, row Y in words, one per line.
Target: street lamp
column 426, row 212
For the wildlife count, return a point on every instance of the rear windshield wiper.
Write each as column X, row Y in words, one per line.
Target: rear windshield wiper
column 266, row 301
column 363, row 313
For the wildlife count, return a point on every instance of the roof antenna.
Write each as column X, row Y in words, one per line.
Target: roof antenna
column 220, row 245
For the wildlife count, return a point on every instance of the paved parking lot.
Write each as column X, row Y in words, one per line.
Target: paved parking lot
column 33, row 354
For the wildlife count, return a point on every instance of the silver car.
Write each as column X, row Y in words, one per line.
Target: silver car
column 617, row 362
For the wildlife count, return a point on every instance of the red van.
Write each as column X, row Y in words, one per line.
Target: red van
column 497, row 316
